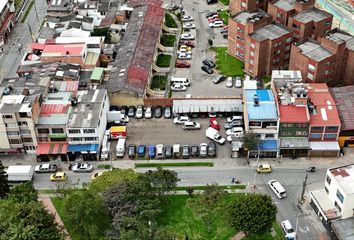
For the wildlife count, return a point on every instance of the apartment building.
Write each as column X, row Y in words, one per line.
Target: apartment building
column 7, row 12
column 336, row 199
column 86, row 124
column 311, row 23
column 294, row 118
column 236, row 6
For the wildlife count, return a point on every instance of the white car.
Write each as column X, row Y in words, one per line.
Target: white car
column 238, row 82
column 233, row 118
column 82, row 167
column 184, row 56
column 148, row 112
column 178, row 87
column 187, row 36
column 159, row 151
column 203, row 149
column 229, row 82
column 189, row 26
column 288, row 230
column 234, row 136
column 184, row 50
column 187, row 18
column 191, row 126
column 139, row 112
column 216, row 24
column 234, row 130
column 181, row 120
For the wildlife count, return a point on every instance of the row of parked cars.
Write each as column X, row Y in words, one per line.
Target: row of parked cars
column 161, row 151
column 143, row 112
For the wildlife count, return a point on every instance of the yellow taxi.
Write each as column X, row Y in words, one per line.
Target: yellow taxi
column 58, row 176
column 185, row 48
column 96, row 175
column 264, row 168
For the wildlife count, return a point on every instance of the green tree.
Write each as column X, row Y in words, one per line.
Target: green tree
column 250, row 141
column 190, row 191
column 4, row 186
column 252, row 213
column 102, row 32
column 24, row 192
column 162, row 180
column 84, row 211
column 208, row 205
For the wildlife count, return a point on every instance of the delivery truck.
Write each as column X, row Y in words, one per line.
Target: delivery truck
column 20, row 173
column 213, row 134
column 120, row 149
column 118, row 132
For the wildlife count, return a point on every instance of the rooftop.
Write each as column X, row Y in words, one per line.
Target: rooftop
column 343, row 228
column 313, row 14
column 293, row 114
column 339, row 37
column 266, row 109
column 344, row 100
column 322, row 108
column 344, row 176
column 132, row 65
column 86, row 114
column 55, row 109
column 286, row 74
column 285, row 5
column 64, row 50
column 271, row 31
column 313, row 50
column 243, row 16
column 326, row 205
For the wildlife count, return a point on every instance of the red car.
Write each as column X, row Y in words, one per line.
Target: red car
column 182, row 64
column 213, row 122
column 214, row 19
column 187, row 43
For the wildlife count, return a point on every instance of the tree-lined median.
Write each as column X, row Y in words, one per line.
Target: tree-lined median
column 175, row 164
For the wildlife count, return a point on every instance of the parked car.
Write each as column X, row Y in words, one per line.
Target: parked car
column 211, row 20
column 168, row 112
column 215, row 24
column 148, row 113
column 194, row 151
column 209, row 14
column 151, row 151
column 229, row 82
column 184, row 56
column 187, row 18
column 235, row 123
column 181, row 120
column 211, row 149
column 113, row 108
column 124, row 110
column 46, row 168
column 173, row 7
column 82, row 167
column 176, row 87
column 187, row 43
column 207, row 69
column 131, row 111
column 182, row 64
column 159, row 151
column 191, row 126
column 214, row 135
column 131, row 151
column 189, row 26
column 213, row 122
column 185, row 51
column 96, row 175
column 218, row 79
column 139, row 112
column 168, row 151
column 213, row 17
column 141, row 150
column 212, row 114
column 209, row 63
column 187, row 36
column 233, row 118
column 203, row 148
column 234, row 130
column 211, row 1
column 58, row 176
column 176, row 150
column 238, row 82
column 288, row 230
column 223, row 31
column 158, row 112
column 185, row 151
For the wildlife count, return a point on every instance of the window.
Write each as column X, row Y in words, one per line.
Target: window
column 243, row 4
column 311, row 67
column 337, row 206
column 253, row 45
column 332, row 128
column 269, row 136
column 11, row 125
column 15, row 141
column 310, row 76
column 328, row 24
column 22, row 123
column 12, row 133
column 26, row 140
column 91, row 139
column 296, row 26
column 43, row 130
column 328, row 180
column 23, row 115
column 42, row 139
column 300, row 133
column 251, row 53
column 326, row 189
column 340, row 196
column 73, row 131
column 25, row 131
column 276, row 52
column 276, row 60
column 57, row 130
column 7, row 116
column 30, row 148
column 279, row 15
column 317, row 129
column 251, row 61
column 76, row 139
column 330, row 136
column 286, row 56
column 315, row 136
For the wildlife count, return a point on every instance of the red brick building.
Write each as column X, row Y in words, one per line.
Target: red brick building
column 236, row 6
column 7, row 11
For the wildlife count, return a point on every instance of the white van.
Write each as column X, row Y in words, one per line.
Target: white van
column 120, row 149
column 277, row 188
column 288, row 230
column 181, row 81
column 176, row 150
column 105, row 146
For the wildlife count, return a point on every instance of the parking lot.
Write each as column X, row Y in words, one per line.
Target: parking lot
column 201, row 82
column 163, row 131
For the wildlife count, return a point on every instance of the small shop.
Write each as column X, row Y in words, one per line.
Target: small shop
column 51, row 151
column 86, row 152
column 294, row 147
column 324, row 149
column 265, row 149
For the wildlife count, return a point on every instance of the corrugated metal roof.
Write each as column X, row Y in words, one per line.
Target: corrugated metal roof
column 344, row 99
column 266, row 110
column 48, row 109
column 293, row 114
column 324, row 146
column 97, row 73
column 207, row 105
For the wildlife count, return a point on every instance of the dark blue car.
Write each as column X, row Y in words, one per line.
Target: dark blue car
column 141, row 150
column 151, row 151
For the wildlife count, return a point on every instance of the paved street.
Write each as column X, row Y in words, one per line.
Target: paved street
column 11, row 58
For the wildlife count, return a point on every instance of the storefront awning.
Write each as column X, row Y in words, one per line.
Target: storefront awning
column 268, row 145
column 324, row 146
column 294, row 143
column 83, row 148
column 51, row 148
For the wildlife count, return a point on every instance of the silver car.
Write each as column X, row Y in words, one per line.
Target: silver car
column 139, row 112
column 203, row 150
column 82, row 167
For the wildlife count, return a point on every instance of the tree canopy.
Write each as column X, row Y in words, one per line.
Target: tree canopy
column 250, row 140
column 4, row 186
column 252, row 213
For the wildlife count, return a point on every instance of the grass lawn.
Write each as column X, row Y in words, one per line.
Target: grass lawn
column 158, row 82
column 203, row 187
column 169, row 21
column 168, row 40
column 163, row 60
column 227, row 64
column 225, row 2
column 175, row 164
column 104, row 166
column 179, row 219
column 224, row 15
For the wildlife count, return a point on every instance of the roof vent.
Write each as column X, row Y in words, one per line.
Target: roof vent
column 256, row 100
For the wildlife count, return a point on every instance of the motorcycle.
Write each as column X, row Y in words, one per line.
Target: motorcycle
column 236, row 180
column 311, row 169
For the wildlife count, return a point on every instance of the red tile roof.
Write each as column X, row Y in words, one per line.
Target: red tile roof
column 48, row 109
column 64, row 49
column 344, row 98
column 293, row 114
column 320, row 97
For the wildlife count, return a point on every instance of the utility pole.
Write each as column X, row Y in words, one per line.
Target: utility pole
column 255, row 174
column 303, row 189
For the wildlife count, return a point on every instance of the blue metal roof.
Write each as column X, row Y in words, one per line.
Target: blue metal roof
column 268, row 145
column 266, row 110
column 82, row 147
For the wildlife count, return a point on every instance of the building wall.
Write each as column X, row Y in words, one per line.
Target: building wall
column 293, row 129
column 348, row 78
column 4, row 143
column 64, row 59
column 324, row 134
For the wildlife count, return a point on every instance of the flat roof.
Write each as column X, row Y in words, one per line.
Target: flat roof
column 313, row 14
column 243, row 16
column 207, row 105
column 63, row 50
column 293, row 114
column 339, row 37
column 325, row 111
column 286, row 74
column 294, row 142
column 314, row 50
column 343, row 228
column 321, row 199
column 285, row 5
column 271, row 31
column 266, row 110
column 97, row 73
column 344, row 100
column 344, row 176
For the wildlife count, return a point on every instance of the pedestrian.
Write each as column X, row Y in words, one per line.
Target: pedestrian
column 2, row 50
